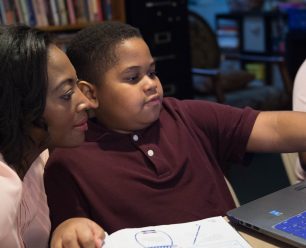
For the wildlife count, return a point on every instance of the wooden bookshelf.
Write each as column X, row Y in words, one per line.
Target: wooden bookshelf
column 65, row 28
column 60, row 15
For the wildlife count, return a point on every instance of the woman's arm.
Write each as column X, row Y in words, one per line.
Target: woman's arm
column 77, row 232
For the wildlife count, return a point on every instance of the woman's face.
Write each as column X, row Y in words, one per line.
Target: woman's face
column 65, row 112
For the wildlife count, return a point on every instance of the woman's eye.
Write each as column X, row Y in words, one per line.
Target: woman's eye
column 67, row 96
column 152, row 74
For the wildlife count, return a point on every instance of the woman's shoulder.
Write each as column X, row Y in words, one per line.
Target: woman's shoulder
column 7, row 175
column 10, row 191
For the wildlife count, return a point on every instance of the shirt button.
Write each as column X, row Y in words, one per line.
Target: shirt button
column 135, row 137
column 150, row 153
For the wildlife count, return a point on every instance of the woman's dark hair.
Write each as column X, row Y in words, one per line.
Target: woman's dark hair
column 92, row 50
column 23, row 90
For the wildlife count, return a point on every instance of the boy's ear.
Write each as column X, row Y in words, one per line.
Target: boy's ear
column 89, row 90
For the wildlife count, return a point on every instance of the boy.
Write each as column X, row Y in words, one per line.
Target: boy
column 150, row 160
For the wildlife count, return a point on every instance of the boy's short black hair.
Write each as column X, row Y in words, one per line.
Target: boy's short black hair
column 92, row 50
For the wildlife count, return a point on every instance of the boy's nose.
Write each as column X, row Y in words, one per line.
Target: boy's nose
column 150, row 85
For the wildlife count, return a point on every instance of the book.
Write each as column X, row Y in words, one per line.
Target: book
column 80, row 11
column 25, row 11
column 40, row 12
column 62, row 10
column 31, row 13
column 54, row 12
column 209, row 233
column 71, row 12
column 2, row 10
column 19, row 13
column 91, row 10
column 107, row 9
column 99, row 17
column 94, row 10
column 9, row 13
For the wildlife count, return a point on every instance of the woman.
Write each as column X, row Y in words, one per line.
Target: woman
column 41, row 107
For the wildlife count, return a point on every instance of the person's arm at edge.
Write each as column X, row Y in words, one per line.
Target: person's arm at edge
column 299, row 104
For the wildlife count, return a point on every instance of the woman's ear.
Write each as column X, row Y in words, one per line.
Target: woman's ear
column 88, row 89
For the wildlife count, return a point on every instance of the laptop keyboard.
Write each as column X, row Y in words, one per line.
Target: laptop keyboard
column 295, row 225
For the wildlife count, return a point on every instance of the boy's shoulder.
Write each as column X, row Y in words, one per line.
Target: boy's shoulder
column 175, row 103
column 189, row 105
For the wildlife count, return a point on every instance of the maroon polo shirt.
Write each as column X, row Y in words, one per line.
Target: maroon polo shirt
column 170, row 172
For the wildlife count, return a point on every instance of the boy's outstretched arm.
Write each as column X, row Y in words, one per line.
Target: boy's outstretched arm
column 278, row 131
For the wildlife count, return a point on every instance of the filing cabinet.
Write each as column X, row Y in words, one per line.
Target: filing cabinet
column 164, row 26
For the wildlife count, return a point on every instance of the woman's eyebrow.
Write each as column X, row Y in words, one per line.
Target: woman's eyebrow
column 69, row 81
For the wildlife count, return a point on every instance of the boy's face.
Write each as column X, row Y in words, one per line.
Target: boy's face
column 130, row 94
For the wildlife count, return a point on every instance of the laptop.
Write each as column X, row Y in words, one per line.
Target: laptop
column 281, row 215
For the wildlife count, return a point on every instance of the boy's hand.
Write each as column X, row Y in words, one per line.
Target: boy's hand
column 77, row 233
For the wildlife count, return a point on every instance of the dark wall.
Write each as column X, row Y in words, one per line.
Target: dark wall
column 295, row 51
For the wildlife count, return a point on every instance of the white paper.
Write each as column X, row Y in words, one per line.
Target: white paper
column 212, row 232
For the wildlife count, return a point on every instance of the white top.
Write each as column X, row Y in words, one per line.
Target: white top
column 24, row 213
column 299, row 104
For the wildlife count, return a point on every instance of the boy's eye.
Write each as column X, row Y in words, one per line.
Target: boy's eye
column 132, row 78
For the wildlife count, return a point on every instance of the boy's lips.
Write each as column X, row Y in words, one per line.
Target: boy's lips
column 154, row 99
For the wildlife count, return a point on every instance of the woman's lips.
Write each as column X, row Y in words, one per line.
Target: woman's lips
column 82, row 126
